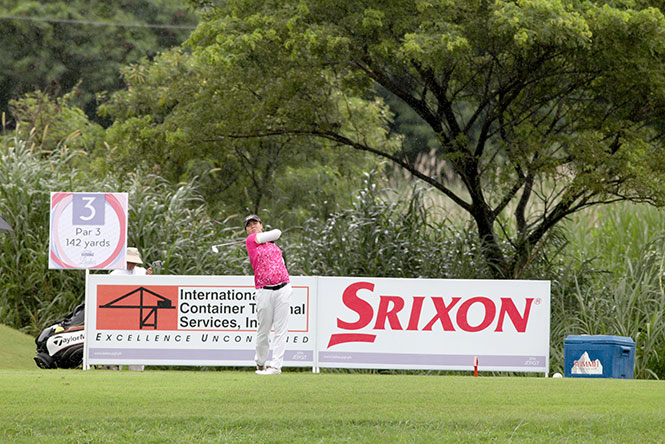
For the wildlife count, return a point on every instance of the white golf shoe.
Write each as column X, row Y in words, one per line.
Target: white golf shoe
column 269, row 371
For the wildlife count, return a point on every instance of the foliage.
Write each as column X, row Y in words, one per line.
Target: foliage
column 539, row 108
column 56, row 55
column 393, row 233
column 29, row 292
column 167, row 223
column 170, row 224
column 613, row 283
column 167, row 120
column 50, row 121
column 387, row 234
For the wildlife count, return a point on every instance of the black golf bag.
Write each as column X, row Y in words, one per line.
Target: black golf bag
column 61, row 344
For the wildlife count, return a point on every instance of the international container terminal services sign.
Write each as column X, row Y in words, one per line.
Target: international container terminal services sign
column 88, row 231
column 188, row 320
column 335, row 322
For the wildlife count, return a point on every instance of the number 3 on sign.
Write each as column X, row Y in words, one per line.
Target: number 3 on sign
column 88, row 209
column 88, row 206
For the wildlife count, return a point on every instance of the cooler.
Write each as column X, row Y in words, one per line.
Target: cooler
column 598, row 356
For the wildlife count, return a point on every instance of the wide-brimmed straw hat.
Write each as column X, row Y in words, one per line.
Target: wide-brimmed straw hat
column 133, row 255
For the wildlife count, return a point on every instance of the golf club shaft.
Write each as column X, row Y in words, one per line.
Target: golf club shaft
column 215, row 247
column 229, row 243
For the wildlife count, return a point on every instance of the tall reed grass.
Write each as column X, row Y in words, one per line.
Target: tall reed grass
column 612, row 282
column 168, row 223
column 387, row 233
column 29, row 292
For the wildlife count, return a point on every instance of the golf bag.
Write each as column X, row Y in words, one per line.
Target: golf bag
column 61, row 344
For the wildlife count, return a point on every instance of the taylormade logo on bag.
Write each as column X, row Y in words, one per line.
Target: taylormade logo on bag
column 63, row 340
column 66, row 340
column 399, row 313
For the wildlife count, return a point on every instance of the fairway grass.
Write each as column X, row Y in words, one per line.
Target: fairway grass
column 98, row 406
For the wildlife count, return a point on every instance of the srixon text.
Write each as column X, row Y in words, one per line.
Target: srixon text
column 450, row 316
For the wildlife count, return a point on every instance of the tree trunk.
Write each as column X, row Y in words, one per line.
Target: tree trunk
column 490, row 247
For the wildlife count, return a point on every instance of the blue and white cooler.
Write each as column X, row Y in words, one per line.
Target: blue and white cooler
column 599, row 356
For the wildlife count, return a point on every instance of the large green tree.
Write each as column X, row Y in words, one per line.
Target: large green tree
column 168, row 119
column 539, row 108
column 53, row 45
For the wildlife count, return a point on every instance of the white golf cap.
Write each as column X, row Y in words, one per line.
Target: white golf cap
column 133, row 255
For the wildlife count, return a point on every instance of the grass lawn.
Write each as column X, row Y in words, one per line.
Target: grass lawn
column 101, row 406
column 16, row 349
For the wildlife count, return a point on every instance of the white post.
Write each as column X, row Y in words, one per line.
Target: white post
column 86, row 366
column 315, row 368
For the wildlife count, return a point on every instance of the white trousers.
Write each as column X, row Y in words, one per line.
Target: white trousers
column 272, row 310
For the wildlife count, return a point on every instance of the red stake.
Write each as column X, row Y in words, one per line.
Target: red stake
column 475, row 366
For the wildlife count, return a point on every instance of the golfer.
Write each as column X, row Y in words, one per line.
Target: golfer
column 273, row 294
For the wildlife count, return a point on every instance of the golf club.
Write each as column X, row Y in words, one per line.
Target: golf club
column 215, row 248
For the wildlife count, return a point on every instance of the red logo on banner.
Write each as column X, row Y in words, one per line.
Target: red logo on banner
column 389, row 307
column 128, row 307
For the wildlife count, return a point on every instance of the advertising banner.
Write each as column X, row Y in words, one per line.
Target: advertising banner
column 335, row 322
column 188, row 320
column 434, row 324
column 88, row 231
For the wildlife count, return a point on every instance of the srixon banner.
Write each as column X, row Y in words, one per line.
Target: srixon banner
column 335, row 322
column 434, row 324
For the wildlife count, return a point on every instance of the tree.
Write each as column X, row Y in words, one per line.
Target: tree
column 539, row 108
column 54, row 122
column 167, row 119
column 52, row 46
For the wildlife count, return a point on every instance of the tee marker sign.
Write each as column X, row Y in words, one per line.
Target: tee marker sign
column 88, row 231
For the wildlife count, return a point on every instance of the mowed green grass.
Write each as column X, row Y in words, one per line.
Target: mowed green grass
column 101, row 406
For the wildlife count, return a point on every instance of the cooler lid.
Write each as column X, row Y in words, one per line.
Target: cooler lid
column 599, row 339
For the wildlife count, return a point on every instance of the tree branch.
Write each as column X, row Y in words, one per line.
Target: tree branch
column 439, row 92
column 343, row 140
column 419, row 106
